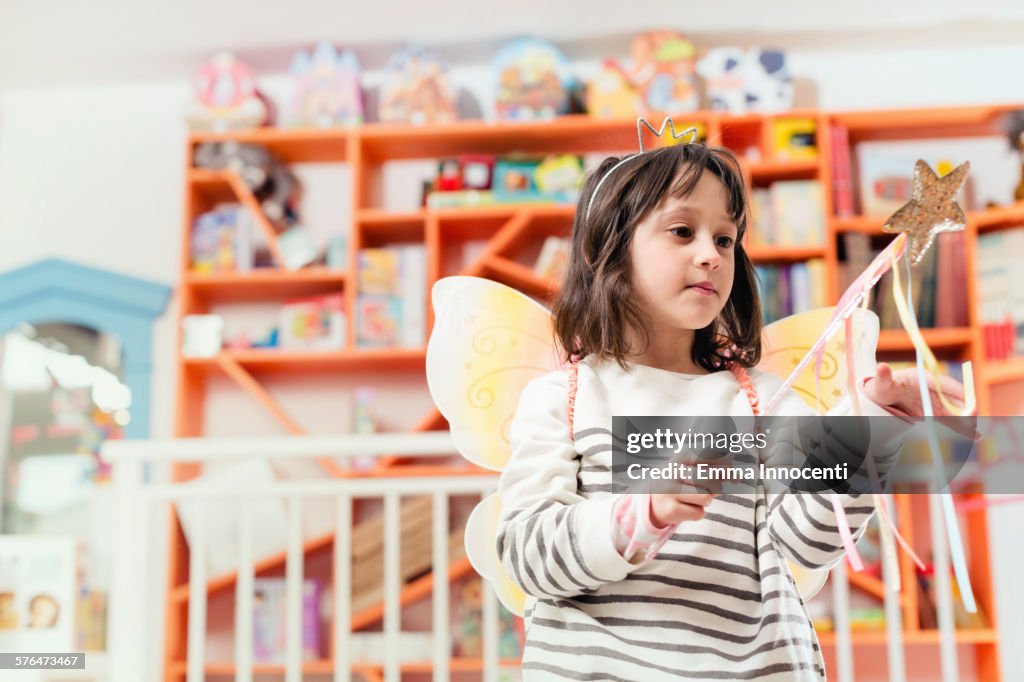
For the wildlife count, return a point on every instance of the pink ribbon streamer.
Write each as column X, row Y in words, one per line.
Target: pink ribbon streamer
column 847, row 304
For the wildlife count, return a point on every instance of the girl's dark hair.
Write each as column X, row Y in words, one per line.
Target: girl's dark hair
column 596, row 304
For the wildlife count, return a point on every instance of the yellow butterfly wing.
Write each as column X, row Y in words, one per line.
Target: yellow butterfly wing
column 785, row 343
column 488, row 342
column 482, row 550
column 788, row 340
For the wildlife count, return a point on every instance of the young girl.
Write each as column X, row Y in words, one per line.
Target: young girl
column 660, row 305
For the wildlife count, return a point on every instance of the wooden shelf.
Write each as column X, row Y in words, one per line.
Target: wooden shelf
column 219, row 583
column 277, row 360
column 985, row 220
column 519, row 276
column 938, row 338
column 784, row 254
column 909, row 124
column 290, row 145
column 538, row 210
column 771, row 170
column 264, row 284
column 1002, row 371
column 912, row 637
column 864, row 224
column 575, row 134
column 374, row 216
column 377, row 217
column 999, row 217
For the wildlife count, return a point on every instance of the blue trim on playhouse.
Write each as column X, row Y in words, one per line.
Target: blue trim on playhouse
column 55, row 290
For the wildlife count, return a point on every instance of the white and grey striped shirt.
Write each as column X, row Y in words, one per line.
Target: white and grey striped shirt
column 717, row 601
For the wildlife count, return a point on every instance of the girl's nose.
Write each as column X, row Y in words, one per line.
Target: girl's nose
column 707, row 255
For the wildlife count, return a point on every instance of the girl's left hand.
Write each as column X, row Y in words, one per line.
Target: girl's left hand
column 900, row 392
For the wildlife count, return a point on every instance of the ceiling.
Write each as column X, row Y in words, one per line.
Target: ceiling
column 62, row 43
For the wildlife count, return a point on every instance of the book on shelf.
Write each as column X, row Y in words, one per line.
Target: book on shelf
column 554, row 254
column 474, row 197
column 314, row 323
column 798, row 209
column 222, row 240
column 391, row 297
column 415, row 555
column 842, row 173
column 926, row 604
column 467, row 623
column 762, row 231
column 1001, row 293
column 887, row 178
column 787, row 213
column 937, row 284
column 269, row 619
column 789, row 289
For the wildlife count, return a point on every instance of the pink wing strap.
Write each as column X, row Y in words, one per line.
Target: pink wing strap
column 574, row 377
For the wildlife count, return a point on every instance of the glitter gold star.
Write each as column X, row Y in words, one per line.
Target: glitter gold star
column 931, row 210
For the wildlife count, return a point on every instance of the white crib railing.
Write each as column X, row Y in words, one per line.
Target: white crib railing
column 136, row 500
column 133, row 547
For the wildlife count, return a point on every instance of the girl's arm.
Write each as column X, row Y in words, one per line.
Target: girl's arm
column 804, row 525
column 552, row 541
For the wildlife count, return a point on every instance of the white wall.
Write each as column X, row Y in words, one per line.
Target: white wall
column 94, row 174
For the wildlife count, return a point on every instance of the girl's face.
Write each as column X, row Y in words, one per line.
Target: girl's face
column 682, row 257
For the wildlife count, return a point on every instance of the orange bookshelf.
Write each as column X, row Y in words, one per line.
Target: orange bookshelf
column 510, row 235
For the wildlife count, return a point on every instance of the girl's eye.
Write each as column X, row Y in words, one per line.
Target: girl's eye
column 725, row 242
column 683, row 231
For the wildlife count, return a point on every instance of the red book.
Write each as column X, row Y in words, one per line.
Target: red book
column 842, row 174
column 945, row 282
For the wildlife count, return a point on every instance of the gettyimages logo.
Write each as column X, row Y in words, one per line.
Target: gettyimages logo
column 808, row 454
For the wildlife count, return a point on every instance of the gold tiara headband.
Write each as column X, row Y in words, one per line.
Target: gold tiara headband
column 642, row 123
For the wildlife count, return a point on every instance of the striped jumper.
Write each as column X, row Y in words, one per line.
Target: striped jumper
column 717, row 601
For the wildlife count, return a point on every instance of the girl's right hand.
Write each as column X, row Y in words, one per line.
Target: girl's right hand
column 671, row 509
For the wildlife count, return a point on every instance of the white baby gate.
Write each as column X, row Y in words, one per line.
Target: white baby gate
column 134, row 546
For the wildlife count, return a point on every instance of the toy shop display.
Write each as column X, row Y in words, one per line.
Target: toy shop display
column 222, row 240
column 610, row 94
column 794, row 138
column 296, row 246
column 316, row 323
column 559, row 177
column 740, row 81
column 477, row 180
column 201, row 335
column 418, row 89
column 663, row 73
column 515, row 177
column 467, row 626
column 391, row 297
column 273, row 183
column 325, row 89
column 226, row 97
column 276, row 189
column 533, row 81
column 270, row 615
column 553, row 257
column 467, row 172
column 662, row 79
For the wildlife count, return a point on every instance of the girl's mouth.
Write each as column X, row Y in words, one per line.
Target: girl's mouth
column 702, row 288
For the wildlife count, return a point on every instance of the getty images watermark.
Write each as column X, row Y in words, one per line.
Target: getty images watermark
column 816, row 454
